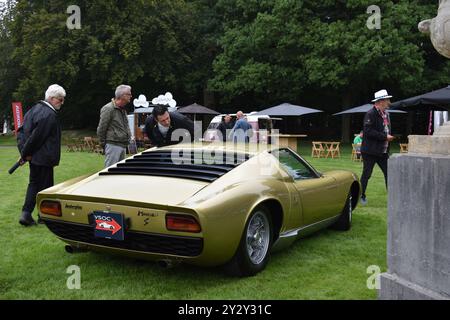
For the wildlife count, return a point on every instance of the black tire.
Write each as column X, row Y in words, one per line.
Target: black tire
column 243, row 264
column 344, row 223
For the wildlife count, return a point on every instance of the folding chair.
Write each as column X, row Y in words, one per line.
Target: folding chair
column 403, row 148
column 89, row 144
column 97, row 147
column 318, row 150
column 333, row 150
column 71, row 147
column 355, row 152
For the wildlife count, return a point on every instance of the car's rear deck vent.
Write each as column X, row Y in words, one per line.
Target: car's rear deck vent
column 186, row 164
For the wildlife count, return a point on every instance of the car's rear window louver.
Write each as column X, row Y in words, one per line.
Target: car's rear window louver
column 179, row 164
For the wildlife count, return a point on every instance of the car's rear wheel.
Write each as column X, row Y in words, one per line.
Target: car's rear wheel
column 253, row 252
column 344, row 222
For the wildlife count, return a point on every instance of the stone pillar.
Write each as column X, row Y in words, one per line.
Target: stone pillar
column 418, row 250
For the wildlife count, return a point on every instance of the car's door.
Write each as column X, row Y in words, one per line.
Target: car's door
column 318, row 193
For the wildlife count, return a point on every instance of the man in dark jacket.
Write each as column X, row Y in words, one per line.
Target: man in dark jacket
column 160, row 127
column 377, row 135
column 39, row 142
column 225, row 127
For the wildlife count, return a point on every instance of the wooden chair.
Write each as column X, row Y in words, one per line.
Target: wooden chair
column 89, row 144
column 403, row 148
column 97, row 147
column 75, row 145
column 318, row 150
column 356, row 155
column 71, row 147
column 80, row 146
column 333, row 150
column 92, row 145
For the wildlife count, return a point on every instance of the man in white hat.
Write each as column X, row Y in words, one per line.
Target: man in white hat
column 377, row 135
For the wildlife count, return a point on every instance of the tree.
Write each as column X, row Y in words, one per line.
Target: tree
column 147, row 44
column 9, row 72
column 274, row 51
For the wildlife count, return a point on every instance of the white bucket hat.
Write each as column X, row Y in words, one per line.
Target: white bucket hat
column 380, row 95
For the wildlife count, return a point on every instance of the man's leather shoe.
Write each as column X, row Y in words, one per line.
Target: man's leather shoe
column 26, row 219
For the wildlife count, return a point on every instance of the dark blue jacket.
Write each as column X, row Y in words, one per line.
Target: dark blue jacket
column 40, row 136
column 242, row 129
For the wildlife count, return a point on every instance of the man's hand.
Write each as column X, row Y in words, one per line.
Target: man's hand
column 22, row 161
column 390, row 138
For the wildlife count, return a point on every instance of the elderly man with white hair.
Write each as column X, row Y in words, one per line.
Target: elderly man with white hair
column 39, row 142
column 242, row 130
column 113, row 130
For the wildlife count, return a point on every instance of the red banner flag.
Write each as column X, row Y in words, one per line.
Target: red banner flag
column 18, row 115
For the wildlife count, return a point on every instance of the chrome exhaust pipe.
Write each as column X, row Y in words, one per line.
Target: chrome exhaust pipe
column 71, row 249
column 166, row 263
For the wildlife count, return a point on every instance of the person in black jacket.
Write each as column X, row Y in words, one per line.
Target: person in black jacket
column 377, row 135
column 39, row 142
column 225, row 127
column 160, row 127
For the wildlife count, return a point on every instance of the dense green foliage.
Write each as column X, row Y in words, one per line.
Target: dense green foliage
column 227, row 54
column 281, row 50
column 150, row 45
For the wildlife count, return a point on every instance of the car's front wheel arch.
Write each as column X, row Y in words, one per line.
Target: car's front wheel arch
column 276, row 214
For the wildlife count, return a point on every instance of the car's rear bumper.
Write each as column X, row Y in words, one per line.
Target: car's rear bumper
column 138, row 244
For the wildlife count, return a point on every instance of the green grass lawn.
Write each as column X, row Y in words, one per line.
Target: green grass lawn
column 327, row 265
column 8, row 140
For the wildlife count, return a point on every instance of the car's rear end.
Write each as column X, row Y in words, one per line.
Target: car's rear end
column 135, row 208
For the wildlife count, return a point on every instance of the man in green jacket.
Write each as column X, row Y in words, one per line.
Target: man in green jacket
column 113, row 130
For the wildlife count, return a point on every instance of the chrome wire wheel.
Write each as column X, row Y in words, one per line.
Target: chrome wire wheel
column 258, row 237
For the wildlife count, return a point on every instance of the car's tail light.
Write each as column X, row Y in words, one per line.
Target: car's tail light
column 52, row 208
column 185, row 223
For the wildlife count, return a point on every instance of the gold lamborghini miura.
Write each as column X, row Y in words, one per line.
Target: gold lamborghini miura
column 207, row 205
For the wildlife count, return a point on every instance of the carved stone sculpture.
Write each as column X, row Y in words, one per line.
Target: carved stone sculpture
column 439, row 28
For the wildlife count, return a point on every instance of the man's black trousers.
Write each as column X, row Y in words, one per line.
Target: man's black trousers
column 40, row 178
column 369, row 162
